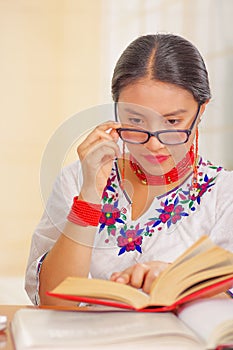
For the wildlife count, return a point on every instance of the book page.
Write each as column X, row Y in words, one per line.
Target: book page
column 206, row 316
column 205, row 266
column 157, row 293
column 201, row 245
column 45, row 329
column 102, row 289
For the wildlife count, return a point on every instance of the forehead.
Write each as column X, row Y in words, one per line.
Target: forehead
column 126, row 111
column 158, row 96
column 132, row 114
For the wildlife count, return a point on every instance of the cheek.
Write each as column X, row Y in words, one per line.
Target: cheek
column 178, row 152
column 134, row 149
column 191, row 140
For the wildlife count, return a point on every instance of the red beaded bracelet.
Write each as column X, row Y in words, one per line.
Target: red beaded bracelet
column 84, row 213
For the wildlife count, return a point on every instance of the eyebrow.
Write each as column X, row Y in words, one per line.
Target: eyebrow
column 174, row 113
column 134, row 112
column 179, row 111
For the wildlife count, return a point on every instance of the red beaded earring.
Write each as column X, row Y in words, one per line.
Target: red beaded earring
column 123, row 166
column 195, row 163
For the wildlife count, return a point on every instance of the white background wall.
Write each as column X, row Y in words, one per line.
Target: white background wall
column 57, row 58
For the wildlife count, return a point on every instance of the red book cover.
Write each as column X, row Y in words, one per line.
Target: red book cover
column 208, row 291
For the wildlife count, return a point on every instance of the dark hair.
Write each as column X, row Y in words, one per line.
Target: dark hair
column 163, row 57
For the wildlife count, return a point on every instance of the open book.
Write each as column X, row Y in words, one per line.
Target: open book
column 202, row 270
column 200, row 325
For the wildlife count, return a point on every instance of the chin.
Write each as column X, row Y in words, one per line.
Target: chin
column 156, row 168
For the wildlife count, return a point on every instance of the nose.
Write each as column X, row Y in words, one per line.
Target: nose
column 154, row 144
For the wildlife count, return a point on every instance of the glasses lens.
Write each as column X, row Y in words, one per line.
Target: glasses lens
column 133, row 136
column 173, row 138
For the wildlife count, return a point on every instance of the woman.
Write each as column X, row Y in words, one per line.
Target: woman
column 134, row 213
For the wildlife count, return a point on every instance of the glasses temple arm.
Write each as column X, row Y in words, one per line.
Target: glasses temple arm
column 195, row 119
column 115, row 111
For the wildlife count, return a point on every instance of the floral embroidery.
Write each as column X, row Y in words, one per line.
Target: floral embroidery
column 109, row 216
column 196, row 193
column 110, row 212
column 172, row 208
column 170, row 214
column 111, row 187
column 130, row 239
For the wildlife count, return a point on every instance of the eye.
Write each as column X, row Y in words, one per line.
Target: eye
column 135, row 120
column 172, row 122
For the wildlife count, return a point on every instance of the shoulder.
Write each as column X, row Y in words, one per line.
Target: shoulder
column 66, row 184
column 221, row 178
column 224, row 184
column 72, row 169
column 70, row 173
column 226, row 177
column 207, row 168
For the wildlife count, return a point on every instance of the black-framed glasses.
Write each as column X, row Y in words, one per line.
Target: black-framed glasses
column 166, row 137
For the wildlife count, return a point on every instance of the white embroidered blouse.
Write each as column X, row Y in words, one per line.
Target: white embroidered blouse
column 173, row 222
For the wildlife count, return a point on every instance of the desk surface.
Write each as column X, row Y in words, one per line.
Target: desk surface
column 5, row 337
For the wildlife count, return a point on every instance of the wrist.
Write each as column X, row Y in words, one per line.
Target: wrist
column 83, row 235
column 90, row 194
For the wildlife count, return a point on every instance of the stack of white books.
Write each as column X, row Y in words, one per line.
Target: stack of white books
column 199, row 325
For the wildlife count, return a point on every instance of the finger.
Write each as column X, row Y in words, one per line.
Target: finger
column 101, row 130
column 114, row 276
column 122, row 276
column 109, row 124
column 114, row 135
column 150, row 277
column 91, row 139
column 95, row 137
column 138, row 275
column 152, row 274
column 101, row 149
column 134, row 275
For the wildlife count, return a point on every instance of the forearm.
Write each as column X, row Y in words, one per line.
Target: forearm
column 70, row 256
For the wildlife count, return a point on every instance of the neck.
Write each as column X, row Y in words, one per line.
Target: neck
column 174, row 175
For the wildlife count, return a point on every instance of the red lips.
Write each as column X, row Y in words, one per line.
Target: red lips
column 156, row 159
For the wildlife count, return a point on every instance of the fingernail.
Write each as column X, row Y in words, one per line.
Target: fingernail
column 120, row 280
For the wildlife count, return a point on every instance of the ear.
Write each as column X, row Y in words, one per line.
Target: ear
column 203, row 106
column 202, row 109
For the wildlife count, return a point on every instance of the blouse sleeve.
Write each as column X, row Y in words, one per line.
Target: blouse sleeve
column 66, row 186
column 222, row 232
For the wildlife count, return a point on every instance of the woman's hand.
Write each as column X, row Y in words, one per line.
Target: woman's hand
column 96, row 154
column 140, row 275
